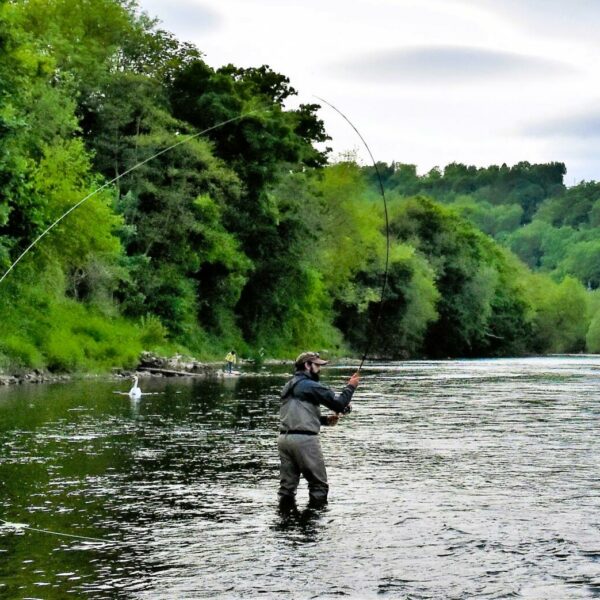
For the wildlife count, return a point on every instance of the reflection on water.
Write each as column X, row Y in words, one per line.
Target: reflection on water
column 456, row 479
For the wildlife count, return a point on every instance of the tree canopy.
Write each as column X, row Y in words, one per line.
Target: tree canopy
column 244, row 233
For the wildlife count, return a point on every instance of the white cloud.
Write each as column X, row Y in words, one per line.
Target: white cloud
column 449, row 64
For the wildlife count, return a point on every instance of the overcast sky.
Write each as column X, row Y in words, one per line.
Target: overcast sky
column 425, row 81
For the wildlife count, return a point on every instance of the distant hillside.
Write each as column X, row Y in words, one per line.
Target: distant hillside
column 526, row 207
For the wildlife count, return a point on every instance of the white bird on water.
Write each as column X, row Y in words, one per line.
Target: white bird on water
column 135, row 391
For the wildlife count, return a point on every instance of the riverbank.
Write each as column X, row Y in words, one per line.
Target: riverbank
column 150, row 365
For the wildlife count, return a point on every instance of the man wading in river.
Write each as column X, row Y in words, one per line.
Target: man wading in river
column 300, row 423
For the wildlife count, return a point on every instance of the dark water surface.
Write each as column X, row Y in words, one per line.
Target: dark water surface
column 457, row 479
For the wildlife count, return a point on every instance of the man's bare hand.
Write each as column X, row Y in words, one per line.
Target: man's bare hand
column 333, row 419
column 353, row 381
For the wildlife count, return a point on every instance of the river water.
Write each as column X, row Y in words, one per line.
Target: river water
column 454, row 479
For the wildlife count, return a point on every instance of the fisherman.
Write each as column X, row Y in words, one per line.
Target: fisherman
column 231, row 359
column 300, row 422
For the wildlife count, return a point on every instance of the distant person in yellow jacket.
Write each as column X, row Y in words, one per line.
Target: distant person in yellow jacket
column 231, row 360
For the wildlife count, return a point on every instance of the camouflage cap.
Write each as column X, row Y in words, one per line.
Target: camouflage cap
column 312, row 357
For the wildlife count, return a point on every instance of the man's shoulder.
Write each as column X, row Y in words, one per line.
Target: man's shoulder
column 297, row 377
column 309, row 385
column 292, row 384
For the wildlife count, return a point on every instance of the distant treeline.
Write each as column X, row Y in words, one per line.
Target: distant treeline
column 247, row 236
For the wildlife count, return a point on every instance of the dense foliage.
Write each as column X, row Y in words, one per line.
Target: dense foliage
column 243, row 234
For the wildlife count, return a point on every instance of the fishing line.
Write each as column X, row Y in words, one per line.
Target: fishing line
column 136, row 166
column 69, row 535
column 163, row 151
column 387, row 234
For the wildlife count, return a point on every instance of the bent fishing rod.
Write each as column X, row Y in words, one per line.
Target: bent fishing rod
column 136, row 166
column 375, row 330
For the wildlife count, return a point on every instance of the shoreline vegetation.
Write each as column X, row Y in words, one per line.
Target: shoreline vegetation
column 252, row 236
column 150, row 365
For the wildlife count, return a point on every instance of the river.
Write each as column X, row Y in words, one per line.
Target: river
column 453, row 479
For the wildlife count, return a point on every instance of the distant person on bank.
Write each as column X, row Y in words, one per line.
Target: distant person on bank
column 231, row 359
column 300, row 422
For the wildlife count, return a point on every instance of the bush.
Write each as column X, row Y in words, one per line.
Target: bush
column 592, row 339
column 19, row 353
column 62, row 352
column 153, row 333
column 560, row 319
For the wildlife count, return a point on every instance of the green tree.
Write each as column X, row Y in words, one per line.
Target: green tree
column 528, row 243
column 573, row 207
column 481, row 309
column 261, row 148
column 583, row 261
column 592, row 338
column 396, row 327
column 493, row 220
column 560, row 314
column 85, row 243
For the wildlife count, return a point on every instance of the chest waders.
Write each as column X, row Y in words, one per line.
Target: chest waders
column 300, row 449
